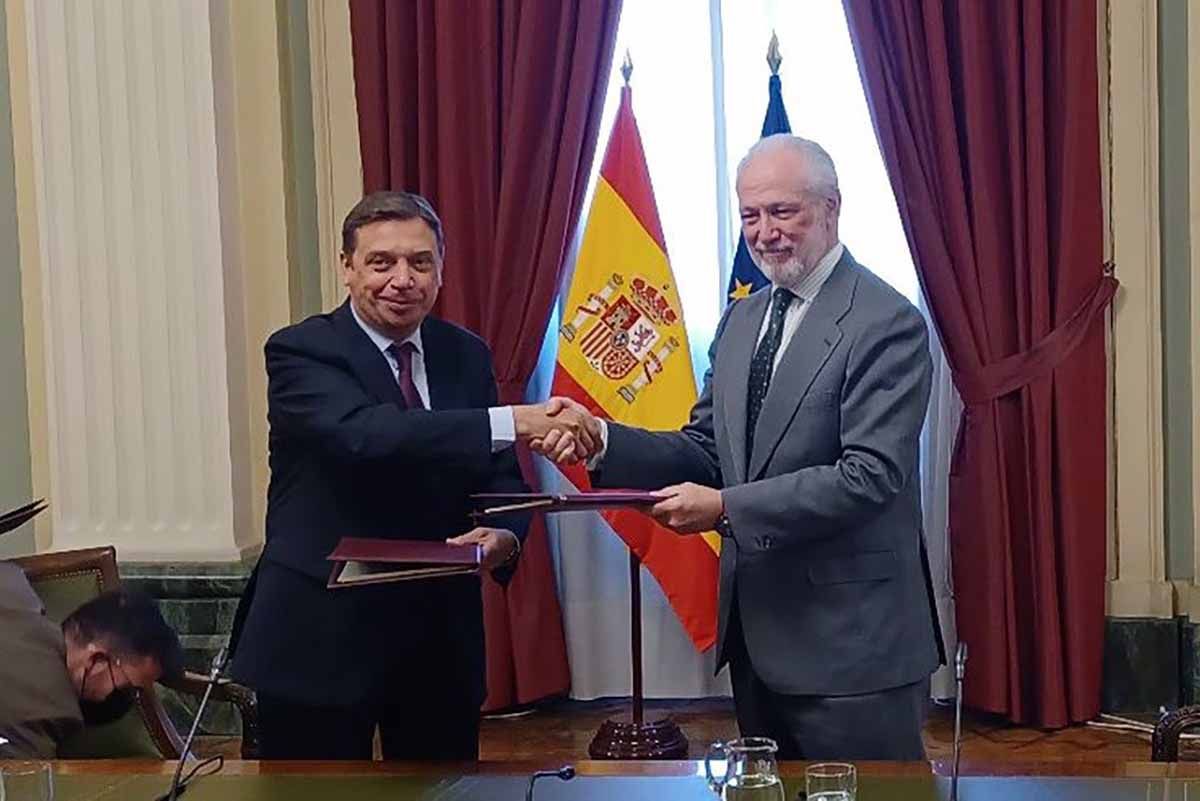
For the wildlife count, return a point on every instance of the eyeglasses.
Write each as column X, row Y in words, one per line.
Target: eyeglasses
column 116, row 664
column 114, row 667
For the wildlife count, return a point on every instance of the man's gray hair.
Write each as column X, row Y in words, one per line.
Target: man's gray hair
column 824, row 180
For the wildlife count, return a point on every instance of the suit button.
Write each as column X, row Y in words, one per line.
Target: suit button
column 767, row 542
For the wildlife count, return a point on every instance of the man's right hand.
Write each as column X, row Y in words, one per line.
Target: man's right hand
column 560, row 429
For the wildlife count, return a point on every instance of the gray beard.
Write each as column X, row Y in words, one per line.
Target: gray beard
column 788, row 275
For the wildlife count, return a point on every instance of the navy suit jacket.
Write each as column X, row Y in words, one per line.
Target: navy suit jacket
column 347, row 459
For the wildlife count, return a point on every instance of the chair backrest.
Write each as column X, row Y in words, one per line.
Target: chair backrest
column 65, row 581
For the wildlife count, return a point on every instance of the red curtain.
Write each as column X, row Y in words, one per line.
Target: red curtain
column 491, row 109
column 987, row 116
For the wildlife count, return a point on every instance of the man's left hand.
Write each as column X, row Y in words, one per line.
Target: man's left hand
column 688, row 508
column 498, row 544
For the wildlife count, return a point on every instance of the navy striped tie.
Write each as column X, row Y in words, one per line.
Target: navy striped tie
column 762, row 364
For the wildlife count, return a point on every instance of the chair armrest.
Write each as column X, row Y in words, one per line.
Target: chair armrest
column 1164, row 744
column 239, row 695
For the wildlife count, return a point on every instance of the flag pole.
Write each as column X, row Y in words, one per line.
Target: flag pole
column 633, row 737
column 635, row 572
column 743, row 277
column 635, row 636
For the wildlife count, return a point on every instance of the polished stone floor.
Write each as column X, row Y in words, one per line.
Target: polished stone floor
column 562, row 731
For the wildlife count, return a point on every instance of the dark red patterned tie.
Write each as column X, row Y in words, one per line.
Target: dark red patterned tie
column 408, row 389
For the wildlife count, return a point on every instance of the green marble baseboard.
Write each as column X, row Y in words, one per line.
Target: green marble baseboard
column 188, row 579
column 1149, row 665
column 198, row 600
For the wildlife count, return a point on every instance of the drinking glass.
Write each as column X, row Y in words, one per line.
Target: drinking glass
column 830, row 781
column 751, row 773
column 26, row 781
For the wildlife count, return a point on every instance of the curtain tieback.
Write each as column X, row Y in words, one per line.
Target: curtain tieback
column 1009, row 374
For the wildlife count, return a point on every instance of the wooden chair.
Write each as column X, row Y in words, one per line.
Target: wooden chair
column 1164, row 743
column 66, row 580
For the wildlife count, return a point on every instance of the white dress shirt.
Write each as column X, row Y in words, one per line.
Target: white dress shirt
column 504, row 427
column 806, row 289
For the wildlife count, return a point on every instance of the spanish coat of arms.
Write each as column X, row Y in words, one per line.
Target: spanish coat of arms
column 620, row 331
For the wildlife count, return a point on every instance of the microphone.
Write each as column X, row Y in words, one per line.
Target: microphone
column 177, row 787
column 565, row 773
column 960, row 672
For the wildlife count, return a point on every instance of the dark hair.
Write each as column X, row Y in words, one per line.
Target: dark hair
column 129, row 623
column 387, row 205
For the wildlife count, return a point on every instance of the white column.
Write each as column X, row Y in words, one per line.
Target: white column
column 1137, row 585
column 1193, row 46
column 133, row 303
column 335, row 129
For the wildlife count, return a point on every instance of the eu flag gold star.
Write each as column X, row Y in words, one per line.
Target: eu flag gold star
column 740, row 290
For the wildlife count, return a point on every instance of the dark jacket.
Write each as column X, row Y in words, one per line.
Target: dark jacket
column 347, row 459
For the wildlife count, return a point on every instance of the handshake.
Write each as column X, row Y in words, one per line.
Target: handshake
column 566, row 432
column 560, row 429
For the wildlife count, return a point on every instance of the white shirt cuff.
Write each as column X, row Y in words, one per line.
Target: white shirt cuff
column 504, row 427
column 598, row 456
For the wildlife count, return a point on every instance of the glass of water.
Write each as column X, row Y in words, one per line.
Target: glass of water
column 26, row 781
column 750, row 771
column 830, row 781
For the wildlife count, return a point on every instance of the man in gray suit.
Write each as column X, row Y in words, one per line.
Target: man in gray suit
column 802, row 451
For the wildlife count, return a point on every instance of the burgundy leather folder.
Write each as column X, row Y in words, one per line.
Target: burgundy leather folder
column 495, row 503
column 357, row 561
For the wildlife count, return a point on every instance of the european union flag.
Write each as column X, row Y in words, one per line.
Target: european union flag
column 745, row 277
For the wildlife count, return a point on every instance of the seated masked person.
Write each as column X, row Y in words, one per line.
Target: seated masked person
column 56, row 679
column 383, row 421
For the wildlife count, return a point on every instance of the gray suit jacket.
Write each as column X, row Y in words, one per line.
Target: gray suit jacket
column 825, row 554
column 39, row 707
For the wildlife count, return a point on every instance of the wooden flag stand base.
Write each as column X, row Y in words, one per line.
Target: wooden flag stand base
column 631, row 736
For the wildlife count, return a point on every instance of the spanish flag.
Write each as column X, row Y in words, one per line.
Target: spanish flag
column 623, row 353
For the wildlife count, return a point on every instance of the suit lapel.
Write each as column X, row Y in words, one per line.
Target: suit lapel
column 805, row 355
column 741, row 334
column 366, row 361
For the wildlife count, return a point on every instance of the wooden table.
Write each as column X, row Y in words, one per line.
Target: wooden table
column 135, row 780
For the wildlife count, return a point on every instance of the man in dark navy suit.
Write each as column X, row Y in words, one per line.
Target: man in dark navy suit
column 382, row 421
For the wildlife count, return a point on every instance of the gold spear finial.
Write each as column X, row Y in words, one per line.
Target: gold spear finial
column 627, row 67
column 774, row 59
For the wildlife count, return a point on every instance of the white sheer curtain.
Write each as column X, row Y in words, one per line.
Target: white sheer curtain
column 699, row 89
column 937, row 447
